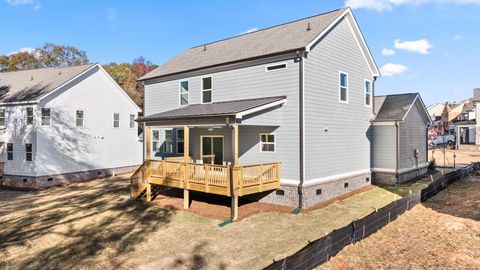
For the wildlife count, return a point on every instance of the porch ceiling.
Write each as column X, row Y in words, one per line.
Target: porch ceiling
column 215, row 113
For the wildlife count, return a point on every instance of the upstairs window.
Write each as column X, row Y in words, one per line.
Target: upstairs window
column 368, row 93
column 29, row 115
column 116, row 120
column 168, row 145
column 179, row 141
column 9, row 151
column 267, row 142
column 2, row 117
column 276, row 67
column 155, row 140
column 132, row 121
column 79, row 118
column 28, row 152
column 207, row 90
column 45, row 116
column 183, row 93
column 343, row 87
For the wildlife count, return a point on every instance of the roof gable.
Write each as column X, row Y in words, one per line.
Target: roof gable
column 396, row 107
column 289, row 37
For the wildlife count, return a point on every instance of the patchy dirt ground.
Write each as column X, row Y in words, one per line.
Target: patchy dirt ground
column 443, row 233
column 94, row 225
column 445, row 157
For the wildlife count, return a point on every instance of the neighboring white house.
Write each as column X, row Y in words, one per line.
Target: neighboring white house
column 59, row 125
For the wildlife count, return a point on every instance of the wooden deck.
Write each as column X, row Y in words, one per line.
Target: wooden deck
column 215, row 179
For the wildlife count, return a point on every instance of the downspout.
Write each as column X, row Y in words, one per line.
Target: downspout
column 397, row 126
column 301, row 129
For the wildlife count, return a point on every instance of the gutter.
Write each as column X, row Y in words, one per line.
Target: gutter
column 397, row 126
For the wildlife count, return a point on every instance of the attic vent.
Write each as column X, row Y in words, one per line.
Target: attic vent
column 204, row 47
column 308, row 27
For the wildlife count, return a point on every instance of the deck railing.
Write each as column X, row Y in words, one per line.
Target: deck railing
column 208, row 178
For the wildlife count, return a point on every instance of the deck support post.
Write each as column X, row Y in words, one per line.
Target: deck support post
column 186, row 199
column 149, row 192
column 235, row 208
column 233, row 187
column 186, row 144
column 148, row 156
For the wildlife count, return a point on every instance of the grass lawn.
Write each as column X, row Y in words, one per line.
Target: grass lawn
column 94, row 225
column 443, row 233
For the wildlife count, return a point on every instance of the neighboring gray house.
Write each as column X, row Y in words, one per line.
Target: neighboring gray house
column 299, row 94
column 59, row 125
column 399, row 138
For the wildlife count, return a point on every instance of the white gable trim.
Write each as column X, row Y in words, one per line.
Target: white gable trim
column 361, row 43
column 119, row 88
column 240, row 115
column 418, row 98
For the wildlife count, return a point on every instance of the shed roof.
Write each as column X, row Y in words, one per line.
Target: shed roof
column 224, row 108
column 295, row 35
column 30, row 85
column 393, row 107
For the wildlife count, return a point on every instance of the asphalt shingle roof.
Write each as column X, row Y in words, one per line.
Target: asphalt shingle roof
column 277, row 39
column 393, row 107
column 29, row 85
column 224, row 108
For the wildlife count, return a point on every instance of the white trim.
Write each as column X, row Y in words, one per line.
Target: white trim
column 325, row 179
column 240, row 115
column 423, row 107
column 340, row 86
column 119, row 88
column 274, row 142
column 389, row 123
column 180, row 92
column 360, row 46
column 212, row 136
column 373, row 69
column 276, row 64
column 365, row 93
column 202, row 90
column 388, row 170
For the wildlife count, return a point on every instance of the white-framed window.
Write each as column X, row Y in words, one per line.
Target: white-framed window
column 276, row 67
column 168, row 145
column 29, row 115
column 343, row 87
column 267, row 142
column 116, row 120
column 183, row 93
column 180, row 138
column 207, row 90
column 79, row 118
column 45, row 116
column 368, row 93
column 9, row 151
column 2, row 117
column 155, row 140
column 28, row 152
column 131, row 122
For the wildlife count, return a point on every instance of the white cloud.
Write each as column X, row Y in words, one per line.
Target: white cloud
column 457, row 37
column 36, row 4
column 387, row 5
column 421, row 46
column 24, row 49
column 388, row 52
column 390, row 69
column 249, row 30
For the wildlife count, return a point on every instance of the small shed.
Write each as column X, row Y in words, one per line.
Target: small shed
column 399, row 138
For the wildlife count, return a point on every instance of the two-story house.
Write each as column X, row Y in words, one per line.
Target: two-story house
column 59, row 125
column 281, row 114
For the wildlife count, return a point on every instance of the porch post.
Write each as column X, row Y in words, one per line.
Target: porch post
column 232, row 174
column 148, row 156
column 186, row 159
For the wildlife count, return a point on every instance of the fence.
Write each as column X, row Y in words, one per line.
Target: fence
column 321, row 250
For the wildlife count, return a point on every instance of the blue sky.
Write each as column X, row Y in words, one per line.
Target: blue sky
column 435, row 43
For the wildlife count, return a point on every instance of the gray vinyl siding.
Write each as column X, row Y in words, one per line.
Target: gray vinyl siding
column 245, row 83
column 384, row 147
column 336, row 134
column 412, row 136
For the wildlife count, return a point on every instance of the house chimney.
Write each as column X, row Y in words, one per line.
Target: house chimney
column 476, row 93
column 308, row 27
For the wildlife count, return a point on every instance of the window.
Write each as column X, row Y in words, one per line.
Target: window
column 45, row 116
column 2, row 117
column 28, row 152
column 343, row 82
column 207, row 90
column 132, row 121
column 9, row 151
column 168, row 145
column 29, row 116
column 155, row 140
column 368, row 93
column 184, row 93
column 116, row 120
column 267, row 142
column 79, row 118
column 276, row 67
column 179, row 141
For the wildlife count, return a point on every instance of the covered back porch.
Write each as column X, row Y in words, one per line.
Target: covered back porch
column 210, row 160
